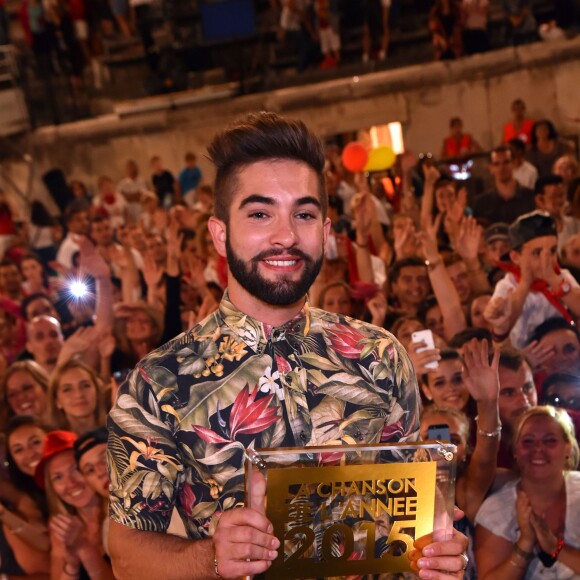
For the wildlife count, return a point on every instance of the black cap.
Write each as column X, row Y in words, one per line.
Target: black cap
column 89, row 440
column 496, row 231
column 530, row 226
column 541, row 182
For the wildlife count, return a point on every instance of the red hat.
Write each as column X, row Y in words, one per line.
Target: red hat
column 56, row 442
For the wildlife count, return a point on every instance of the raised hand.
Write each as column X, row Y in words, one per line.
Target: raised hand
column 152, row 272
column 91, row 260
column 402, row 237
column 480, row 376
column 498, row 313
column 106, row 345
column 468, row 239
column 428, row 239
column 243, row 540
column 363, row 212
column 431, row 173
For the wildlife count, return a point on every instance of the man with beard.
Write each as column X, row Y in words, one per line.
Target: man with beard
column 265, row 369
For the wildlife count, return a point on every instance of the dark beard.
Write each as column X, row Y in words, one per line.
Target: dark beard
column 282, row 292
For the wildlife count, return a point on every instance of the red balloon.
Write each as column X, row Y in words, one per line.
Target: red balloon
column 355, row 156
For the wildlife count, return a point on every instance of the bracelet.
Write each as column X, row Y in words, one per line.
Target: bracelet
column 432, row 265
column 558, row 549
column 548, row 560
column 362, row 246
column 495, row 433
column 527, row 556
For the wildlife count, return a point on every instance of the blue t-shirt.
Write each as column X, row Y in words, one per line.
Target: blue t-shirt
column 189, row 179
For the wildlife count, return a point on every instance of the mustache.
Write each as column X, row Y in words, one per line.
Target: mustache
column 293, row 252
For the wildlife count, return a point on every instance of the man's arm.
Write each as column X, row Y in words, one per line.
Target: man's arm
column 242, row 545
column 177, row 558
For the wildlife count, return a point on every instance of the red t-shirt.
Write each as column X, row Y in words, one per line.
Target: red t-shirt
column 454, row 148
column 525, row 132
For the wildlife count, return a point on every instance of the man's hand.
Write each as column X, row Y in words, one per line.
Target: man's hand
column 440, row 560
column 243, row 540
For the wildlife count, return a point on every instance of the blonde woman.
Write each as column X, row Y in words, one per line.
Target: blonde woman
column 76, row 400
column 530, row 527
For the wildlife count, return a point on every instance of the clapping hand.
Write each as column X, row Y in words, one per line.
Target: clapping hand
column 67, row 529
column 527, row 537
column 480, row 376
column 544, row 535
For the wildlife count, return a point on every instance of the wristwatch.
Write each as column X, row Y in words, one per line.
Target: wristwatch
column 563, row 289
column 432, row 265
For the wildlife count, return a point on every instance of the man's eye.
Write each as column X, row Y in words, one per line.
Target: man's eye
column 258, row 215
column 305, row 216
column 506, row 393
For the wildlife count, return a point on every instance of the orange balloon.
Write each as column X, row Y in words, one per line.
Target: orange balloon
column 355, row 156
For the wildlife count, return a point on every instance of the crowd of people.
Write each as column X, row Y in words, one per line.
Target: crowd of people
column 67, row 37
column 85, row 296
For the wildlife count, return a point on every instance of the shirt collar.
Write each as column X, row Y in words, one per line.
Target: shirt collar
column 255, row 333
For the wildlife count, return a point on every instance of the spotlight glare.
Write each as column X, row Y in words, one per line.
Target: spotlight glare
column 78, row 289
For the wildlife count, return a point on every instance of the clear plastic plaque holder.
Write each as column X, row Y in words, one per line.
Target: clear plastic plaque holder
column 353, row 510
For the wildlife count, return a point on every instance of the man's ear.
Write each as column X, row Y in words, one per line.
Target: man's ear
column 539, row 200
column 219, row 233
column 327, row 226
column 515, row 257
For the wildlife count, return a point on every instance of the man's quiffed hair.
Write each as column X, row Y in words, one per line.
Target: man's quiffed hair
column 260, row 137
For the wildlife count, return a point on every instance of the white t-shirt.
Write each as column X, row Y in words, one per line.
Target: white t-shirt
column 498, row 515
column 526, row 175
column 115, row 210
column 536, row 309
column 66, row 251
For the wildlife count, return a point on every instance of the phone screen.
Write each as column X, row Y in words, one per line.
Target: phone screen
column 439, row 432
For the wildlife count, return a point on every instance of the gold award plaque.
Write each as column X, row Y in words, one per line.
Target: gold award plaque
column 349, row 520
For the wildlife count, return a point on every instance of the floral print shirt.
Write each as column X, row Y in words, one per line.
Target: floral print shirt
column 187, row 412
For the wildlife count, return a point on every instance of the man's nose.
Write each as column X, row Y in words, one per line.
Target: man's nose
column 284, row 234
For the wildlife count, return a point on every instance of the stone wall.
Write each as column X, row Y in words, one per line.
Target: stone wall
column 423, row 98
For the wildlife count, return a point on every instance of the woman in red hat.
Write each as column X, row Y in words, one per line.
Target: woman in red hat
column 75, row 512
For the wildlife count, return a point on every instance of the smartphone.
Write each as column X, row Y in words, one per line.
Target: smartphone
column 425, row 336
column 439, row 432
